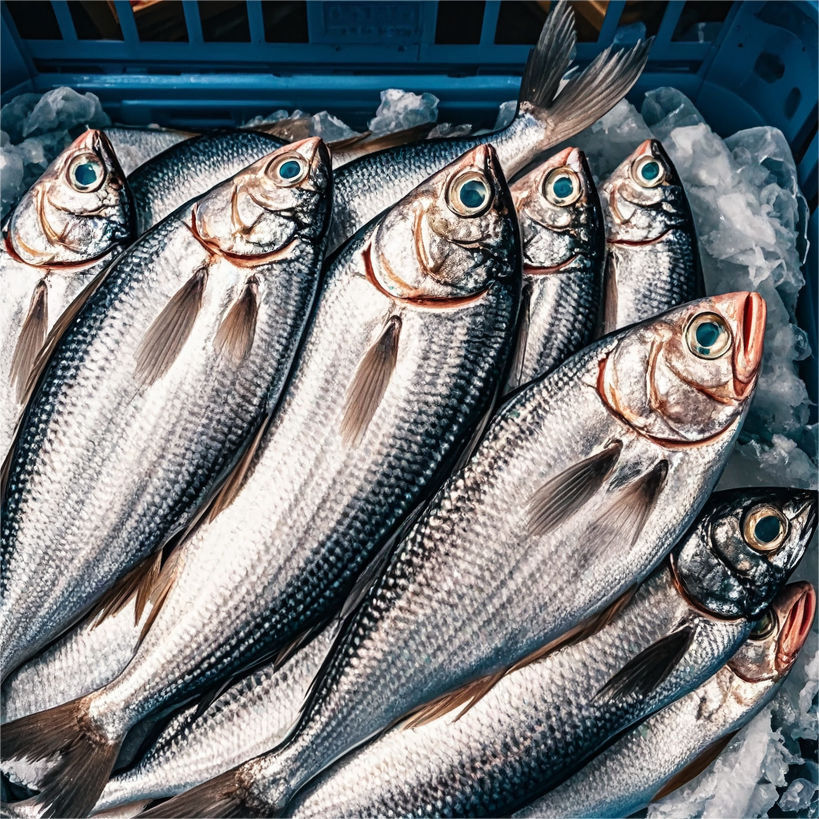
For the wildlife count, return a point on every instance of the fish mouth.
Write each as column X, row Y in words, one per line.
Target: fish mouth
column 800, row 603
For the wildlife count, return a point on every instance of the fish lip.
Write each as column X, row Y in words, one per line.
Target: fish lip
column 800, row 600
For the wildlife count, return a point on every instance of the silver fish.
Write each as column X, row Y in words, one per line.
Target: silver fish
column 135, row 146
column 653, row 262
column 192, row 167
column 72, row 222
column 581, row 484
column 407, row 346
column 563, row 237
column 544, row 118
column 85, row 658
column 252, row 716
column 536, row 725
column 683, row 739
column 154, row 390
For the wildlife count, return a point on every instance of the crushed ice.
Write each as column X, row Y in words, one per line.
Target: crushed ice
column 751, row 223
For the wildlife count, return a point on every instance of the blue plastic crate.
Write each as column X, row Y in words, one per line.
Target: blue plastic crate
column 760, row 68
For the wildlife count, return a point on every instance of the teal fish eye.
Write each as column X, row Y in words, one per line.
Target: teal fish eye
column 86, row 174
column 767, row 529
column 473, row 194
column 708, row 334
column 562, row 187
column 290, row 169
column 650, row 171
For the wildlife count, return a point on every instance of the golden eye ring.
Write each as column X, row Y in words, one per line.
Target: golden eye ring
column 287, row 170
column 86, row 173
column 562, row 187
column 708, row 336
column 648, row 171
column 469, row 194
column 765, row 528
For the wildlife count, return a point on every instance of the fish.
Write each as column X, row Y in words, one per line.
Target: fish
column 683, row 739
column 191, row 168
column 652, row 260
column 134, row 146
column 582, row 483
column 65, row 230
column 155, row 389
column 544, row 119
column 83, row 659
column 563, row 237
column 253, row 715
column 406, row 350
column 544, row 719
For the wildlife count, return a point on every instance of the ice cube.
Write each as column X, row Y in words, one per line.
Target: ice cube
column 330, row 128
column 403, row 109
column 449, row 131
column 798, row 795
column 64, row 108
column 506, row 113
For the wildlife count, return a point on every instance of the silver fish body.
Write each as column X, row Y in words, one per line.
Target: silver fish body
column 59, row 237
column 674, row 744
column 190, row 168
column 407, row 346
column 135, row 146
column 577, row 490
column 563, row 237
column 536, row 725
column 252, row 716
column 367, row 186
column 652, row 261
column 154, row 389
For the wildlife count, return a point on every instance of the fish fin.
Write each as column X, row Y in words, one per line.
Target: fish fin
column 590, row 95
column 347, row 142
column 561, row 496
column 610, row 297
column 58, row 329
column 370, row 145
column 550, row 58
column 210, row 695
column 223, row 795
column 519, row 355
column 237, row 330
column 83, row 756
column 32, row 337
column 621, row 520
column 370, row 383
column 170, row 330
column 161, row 589
column 296, row 644
column 464, row 697
column 645, row 672
column 138, row 582
column 694, row 768
column 233, row 482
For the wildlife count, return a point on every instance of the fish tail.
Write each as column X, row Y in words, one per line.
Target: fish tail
column 84, row 756
column 585, row 98
column 224, row 795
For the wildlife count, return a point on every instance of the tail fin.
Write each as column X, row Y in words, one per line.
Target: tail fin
column 589, row 96
column 83, row 756
column 224, row 795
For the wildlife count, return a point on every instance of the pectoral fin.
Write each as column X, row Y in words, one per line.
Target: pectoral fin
column 695, row 767
column 236, row 332
column 30, row 341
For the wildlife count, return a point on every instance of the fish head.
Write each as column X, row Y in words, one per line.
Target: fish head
column 559, row 213
column 777, row 636
column 644, row 197
column 743, row 547
column 264, row 208
column 78, row 210
column 687, row 375
column 452, row 236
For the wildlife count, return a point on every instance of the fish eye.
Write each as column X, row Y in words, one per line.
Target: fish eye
column 708, row 336
column 765, row 528
column 86, row 173
column 287, row 170
column 561, row 187
column 764, row 627
column 648, row 172
column 469, row 194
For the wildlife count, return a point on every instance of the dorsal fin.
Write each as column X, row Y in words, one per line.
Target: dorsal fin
column 364, row 145
column 139, row 581
column 695, row 767
column 161, row 589
column 645, row 672
column 621, row 519
column 170, row 330
column 469, row 694
column 561, row 496
column 370, row 383
column 237, row 330
column 30, row 341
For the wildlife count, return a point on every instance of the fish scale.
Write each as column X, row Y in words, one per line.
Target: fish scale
column 107, row 461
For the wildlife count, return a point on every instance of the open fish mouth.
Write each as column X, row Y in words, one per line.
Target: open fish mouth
column 801, row 611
